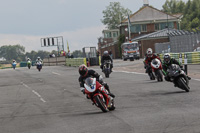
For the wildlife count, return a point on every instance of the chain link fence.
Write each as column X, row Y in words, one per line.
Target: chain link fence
column 180, row 41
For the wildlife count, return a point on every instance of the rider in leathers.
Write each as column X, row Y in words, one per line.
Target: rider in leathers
column 149, row 57
column 167, row 61
column 105, row 57
column 85, row 73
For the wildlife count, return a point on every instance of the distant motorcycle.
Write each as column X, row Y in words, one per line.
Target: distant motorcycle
column 29, row 64
column 99, row 95
column 14, row 65
column 106, row 68
column 39, row 65
column 156, row 66
column 178, row 77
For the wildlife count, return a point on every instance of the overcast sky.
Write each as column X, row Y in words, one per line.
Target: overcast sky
column 24, row 22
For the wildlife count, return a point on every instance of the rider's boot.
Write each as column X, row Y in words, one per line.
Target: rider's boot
column 189, row 78
column 107, row 88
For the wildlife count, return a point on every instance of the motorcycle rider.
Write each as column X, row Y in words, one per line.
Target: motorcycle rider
column 149, row 56
column 85, row 73
column 14, row 61
column 167, row 61
column 38, row 60
column 28, row 59
column 105, row 57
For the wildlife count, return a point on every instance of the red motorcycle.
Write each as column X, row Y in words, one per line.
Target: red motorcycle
column 99, row 95
column 156, row 66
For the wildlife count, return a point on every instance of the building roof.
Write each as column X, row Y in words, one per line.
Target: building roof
column 148, row 13
column 161, row 34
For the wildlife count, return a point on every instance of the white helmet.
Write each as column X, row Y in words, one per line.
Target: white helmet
column 149, row 52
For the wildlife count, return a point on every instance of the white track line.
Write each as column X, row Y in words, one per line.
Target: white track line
column 35, row 92
column 56, row 73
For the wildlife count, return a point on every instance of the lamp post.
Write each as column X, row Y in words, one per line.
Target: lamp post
column 126, row 29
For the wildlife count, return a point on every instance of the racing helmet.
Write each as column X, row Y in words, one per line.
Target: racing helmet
column 149, row 52
column 105, row 53
column 83, row 70
column 38, row 58
column 167, row 58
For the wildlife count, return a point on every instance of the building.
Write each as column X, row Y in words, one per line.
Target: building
column 143, row 22
column 109, row 42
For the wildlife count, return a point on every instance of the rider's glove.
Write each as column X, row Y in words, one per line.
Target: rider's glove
column 82, row 90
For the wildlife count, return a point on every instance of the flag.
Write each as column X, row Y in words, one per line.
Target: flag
column 129, row 22
column 129, row 27
column 67, row 47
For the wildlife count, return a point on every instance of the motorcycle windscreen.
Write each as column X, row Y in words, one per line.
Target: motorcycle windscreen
column 90, row 84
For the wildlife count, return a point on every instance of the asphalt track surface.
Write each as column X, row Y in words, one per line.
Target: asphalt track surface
column 50, row 101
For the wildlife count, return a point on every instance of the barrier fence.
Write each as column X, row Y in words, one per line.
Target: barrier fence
column 76, row 61
column 185, row 58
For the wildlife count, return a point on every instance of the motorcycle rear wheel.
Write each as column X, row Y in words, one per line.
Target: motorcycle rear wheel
column 159, row 76
column 101, row 104
column 112, row 105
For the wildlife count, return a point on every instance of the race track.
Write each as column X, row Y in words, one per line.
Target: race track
column 50, row 101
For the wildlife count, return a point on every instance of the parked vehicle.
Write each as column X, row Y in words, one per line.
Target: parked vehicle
column 178, row 77
column 106, row 68
column 130, row 50
column 156, row 66
column 98, row 94
column 39, row 65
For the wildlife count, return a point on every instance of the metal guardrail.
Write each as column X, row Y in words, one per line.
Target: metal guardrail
column 185, row 58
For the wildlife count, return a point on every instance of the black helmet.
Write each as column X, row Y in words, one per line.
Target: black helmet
column 83, row 70
column 167, row 58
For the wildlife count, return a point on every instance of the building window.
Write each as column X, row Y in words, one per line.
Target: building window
column 135, row 28
column 144, row 28
column 108, row 35
column 115, row 34
column 157, row 27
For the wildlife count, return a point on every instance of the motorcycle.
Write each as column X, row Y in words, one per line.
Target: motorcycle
column 29, row 64
column 39, row 65
column 106, row 68
column 149, row 71
column 178, row 77
column 98, row 94
column 14, row 65
column 156, row 66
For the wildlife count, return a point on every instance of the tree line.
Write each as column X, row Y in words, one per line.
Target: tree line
column 17, row 52
column 190, row 11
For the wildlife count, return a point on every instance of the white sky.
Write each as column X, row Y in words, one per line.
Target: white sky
column 24, row 22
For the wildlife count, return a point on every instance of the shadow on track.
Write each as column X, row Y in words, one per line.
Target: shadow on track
column 169, row 93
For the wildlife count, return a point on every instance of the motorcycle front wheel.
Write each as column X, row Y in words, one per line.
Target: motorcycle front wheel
column 101, row 104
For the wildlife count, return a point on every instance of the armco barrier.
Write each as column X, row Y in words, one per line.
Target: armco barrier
column 191, row 57
column 75, row 61
column 54, row 61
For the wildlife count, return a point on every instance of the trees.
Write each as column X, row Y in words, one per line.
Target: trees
column 113, row 14
column 77, row 53
column 11, row 52
column 190, row 11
